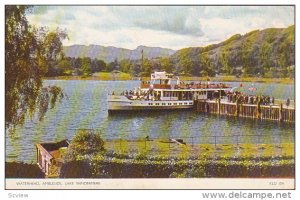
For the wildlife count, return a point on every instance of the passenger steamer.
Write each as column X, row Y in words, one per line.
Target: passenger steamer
column 165, row 91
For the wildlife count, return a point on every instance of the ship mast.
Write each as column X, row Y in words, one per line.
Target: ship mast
column 142, row 66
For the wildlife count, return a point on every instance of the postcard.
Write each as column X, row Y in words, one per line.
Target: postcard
column 150, row 97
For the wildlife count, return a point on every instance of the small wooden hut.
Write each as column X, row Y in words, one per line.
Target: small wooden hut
column 49, row 156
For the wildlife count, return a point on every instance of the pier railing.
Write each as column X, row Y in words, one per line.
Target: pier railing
column 278, row 112
column 283, row 102
column 218, row 139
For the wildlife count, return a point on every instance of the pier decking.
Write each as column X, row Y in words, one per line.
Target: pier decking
column 277, row 112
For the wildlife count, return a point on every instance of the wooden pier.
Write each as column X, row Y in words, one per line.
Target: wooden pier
column 275, row 112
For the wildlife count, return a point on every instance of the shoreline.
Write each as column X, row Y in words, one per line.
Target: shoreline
column 161, row 159
column 109, row 77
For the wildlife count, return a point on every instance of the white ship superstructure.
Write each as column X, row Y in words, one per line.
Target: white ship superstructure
column 165, row 91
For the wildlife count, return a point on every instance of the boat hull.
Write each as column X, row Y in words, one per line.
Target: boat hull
column 121, row 103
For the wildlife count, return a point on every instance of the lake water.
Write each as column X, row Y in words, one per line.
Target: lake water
column 86, row 108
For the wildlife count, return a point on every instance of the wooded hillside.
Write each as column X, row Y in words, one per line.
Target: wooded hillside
column 269, row 53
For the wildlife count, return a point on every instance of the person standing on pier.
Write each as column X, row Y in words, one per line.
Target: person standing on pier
column 272, row 100
column 288, row 102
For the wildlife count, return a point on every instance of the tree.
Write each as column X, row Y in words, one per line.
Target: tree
column 206, row 65
column 109, row 67
column 147, row 67
column 52, row 46
column 101, row 65
column 225, row 61
column 246, row 57
column 85, row 142
column 166, row 64
column 77, row 63
column 29, row 52
column 112, row 66
column 264, row 57
column 64, row 67
column 86, row 68
column 135, row 69
column 82, row 157
column 97, row 65
column 186, row 65
column 126, row 65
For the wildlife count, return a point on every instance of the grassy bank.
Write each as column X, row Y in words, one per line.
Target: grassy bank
column 155, row 159
column 106, row 76
column 101, row 76
column 112, row 76
column 160, row 147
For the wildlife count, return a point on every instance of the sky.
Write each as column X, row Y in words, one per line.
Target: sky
column 173, row 27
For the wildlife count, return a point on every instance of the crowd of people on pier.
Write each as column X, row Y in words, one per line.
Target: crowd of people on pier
column 250, row 99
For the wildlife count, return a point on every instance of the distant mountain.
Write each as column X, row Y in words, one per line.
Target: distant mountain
column 269, row 53
column 109, row 54
column 264, row 52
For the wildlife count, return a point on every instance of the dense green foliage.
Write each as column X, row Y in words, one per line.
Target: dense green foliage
column 113, row 165
column 84, row 143
column 29, row 53
column 85, row 66
column 269, row 53
column 67, row 66
column 86, row 158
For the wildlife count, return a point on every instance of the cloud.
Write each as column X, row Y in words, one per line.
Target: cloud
column 220, row 24
column 165, row 26
column 177, row 20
